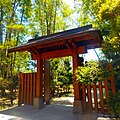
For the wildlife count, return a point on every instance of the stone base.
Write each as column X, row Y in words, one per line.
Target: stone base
column 77, row 108
column 38, row 103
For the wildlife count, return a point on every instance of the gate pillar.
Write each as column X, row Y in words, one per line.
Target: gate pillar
column 38, row 100
column 47, row 81
column 77, row 108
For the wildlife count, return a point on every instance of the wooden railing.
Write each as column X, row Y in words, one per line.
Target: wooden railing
column 27, row 90
column 94, row 96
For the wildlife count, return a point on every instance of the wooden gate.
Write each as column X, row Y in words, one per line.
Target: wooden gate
column 27, row 90
column 93, row 96
column 27, row 86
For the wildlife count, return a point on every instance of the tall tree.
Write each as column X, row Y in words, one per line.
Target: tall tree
column 49, row 16
column 105, row 15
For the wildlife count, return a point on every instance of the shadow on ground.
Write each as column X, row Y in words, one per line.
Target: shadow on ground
column 62, row 109
column 50, row 112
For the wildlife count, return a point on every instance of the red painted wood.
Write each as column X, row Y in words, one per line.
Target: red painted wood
column 81, row 50
column 101, row 97
column 34, row 56
column 22, row 76
column 55, row 43
column 31, row 88
column 25, row 89
column 75, row 65
column 95, row 97
column 28, row 88
column 56, row 54
column 76, row 85
column 47, row 81
column 20, row 90
column 89, row 98
column 39, row 81
column 59, row 53
column 84, row 97
column 34, row 84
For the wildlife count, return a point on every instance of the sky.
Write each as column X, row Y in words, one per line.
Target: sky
column 91, row 55
column 69, row 2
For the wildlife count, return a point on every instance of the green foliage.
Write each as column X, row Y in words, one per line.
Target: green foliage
column 114, row 104
column 104, row 15
column 50, row 16
column 4, row 83
column 61, row 73
column 91, row 73
column 21, row 19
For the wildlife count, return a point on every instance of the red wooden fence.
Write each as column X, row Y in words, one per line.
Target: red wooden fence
column 27, row 89
column 93, row 96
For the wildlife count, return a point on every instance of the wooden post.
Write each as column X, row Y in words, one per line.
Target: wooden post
column 77, row 108
column 38, row 100
column 47, row 81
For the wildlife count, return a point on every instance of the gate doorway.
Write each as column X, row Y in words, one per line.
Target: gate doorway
column 67, row 43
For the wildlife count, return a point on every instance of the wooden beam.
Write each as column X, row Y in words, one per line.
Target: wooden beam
column 59, row 53
column 81, row 50
column 56, row 54
column 34, row 56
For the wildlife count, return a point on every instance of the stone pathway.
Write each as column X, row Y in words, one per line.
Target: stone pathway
column 55, row 111
column 50, row 112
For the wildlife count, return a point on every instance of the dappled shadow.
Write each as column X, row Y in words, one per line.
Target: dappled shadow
column 60, row 109
column 50, row 112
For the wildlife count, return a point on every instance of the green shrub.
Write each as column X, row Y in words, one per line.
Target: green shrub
column 92, row 72
column 114, row 104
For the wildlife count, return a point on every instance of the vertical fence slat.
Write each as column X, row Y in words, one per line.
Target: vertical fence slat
column 20, row 90
column 25, row 91
column 34, row 85
column 24, row 83
column 22, row 86
column 84, row 97
column 95, row 97
column 28, row 88
column 101, row 97
column 31, row 89
column 89, row 98
column 30, row 93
